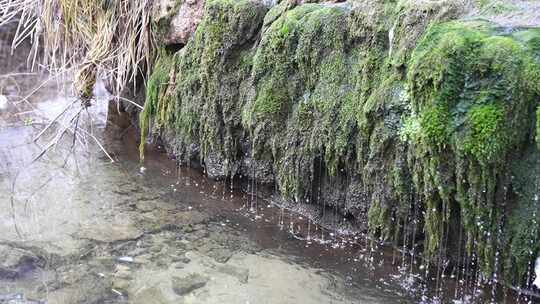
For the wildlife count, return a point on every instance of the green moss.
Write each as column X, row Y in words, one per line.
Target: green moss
column 486, row 139
column 434, row 122
column 472, row 90
column 157, row 102
column 300, row 78
column 522, row 234
column 411, row 130
column 378, row 216
column 270, row 100
column 272, row 62
column 531, row 39
column 200, row 105
column 439, row 62
column 212, row 67
column 285, row 30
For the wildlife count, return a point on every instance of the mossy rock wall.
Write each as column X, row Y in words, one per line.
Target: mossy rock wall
column 391, row 112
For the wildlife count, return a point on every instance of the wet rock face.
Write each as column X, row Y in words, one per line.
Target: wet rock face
column 239, row 80
column 389, row 113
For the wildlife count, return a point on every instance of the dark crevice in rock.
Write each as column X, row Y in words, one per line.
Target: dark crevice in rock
column 174, row 47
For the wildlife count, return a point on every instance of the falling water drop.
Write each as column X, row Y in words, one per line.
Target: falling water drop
column 308, row 238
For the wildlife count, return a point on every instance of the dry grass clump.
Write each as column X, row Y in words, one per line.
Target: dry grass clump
column 83, row 41
column 94, row 38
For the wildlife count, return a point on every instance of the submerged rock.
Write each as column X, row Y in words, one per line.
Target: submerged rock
column 150, row 295
column 15, row 262
column 242, row 274
column 17, row 299
column 109, row 233
column 187, row 284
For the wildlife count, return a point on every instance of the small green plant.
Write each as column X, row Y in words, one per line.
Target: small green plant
column 285, row 30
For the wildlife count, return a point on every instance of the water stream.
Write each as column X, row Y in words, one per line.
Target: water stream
column 78, row 228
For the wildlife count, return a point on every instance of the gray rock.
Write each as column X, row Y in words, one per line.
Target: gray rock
column 260, row 170
column 187, row 284
column 15, row 262
column 120, row 284
column 182, row 259
column 216, row 167
column 17, row 298
column 123, row 272
column 151, row 295
column 119, row 231
column 218, row 253
column 221, row 255
column 242, row 274
column 184, row 18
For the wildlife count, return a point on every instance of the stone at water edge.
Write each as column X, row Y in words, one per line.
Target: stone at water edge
column 537, row 273
column 3, row 102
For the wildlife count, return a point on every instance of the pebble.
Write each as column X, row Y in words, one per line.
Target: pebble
column 126, row 259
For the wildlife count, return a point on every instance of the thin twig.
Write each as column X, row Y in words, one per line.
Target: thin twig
column 12, row 206
column 66, row 108
column 130, row 101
